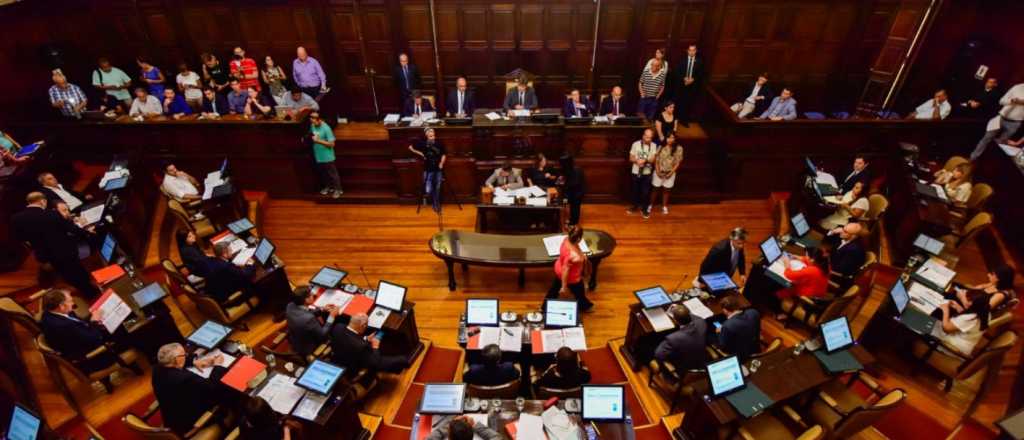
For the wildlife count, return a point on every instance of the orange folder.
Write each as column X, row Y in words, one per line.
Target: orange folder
column 473, row 343
column 108, row 274
column 536, row 342
column 223, row 235
column 424, row 427
column 359, row 304
column 242, row 372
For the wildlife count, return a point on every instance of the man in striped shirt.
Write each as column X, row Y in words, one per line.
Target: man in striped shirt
column 66, row 97
column 652, row 84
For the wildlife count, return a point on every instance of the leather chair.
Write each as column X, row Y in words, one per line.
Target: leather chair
column 958, row 366
column 59, row 365
column 768, row 426
column 842, row 412
column 19, row 315
column 673, row 385
column 202, row 227
column 958, row 237
column 191, row 206
column 768, row 348
column 980, row 194
column 813, row 312
column 507, row 390
column 205, row 427
column 209, row 306
column 837, row 281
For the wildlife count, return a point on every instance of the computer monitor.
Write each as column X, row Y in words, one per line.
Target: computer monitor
column 24, row 424
column 652, row 297
column 241, row 225
column 725, row 376
column 116, row 183
column 561, row 313
column 836, row 334
column 771, row 250
column 149, row 294
column 108, row 248
column 320, row 377
column 482, row 311
column 606, row 403
column 800, row 225
column 209, row 335
column 390, row 296
column 328, row 277
column 899, row 296
column 929, row 245
column 718, row 281
column 264, row 251
column 443, row 398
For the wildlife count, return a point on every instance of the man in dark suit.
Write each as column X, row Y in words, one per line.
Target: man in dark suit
column 70, row 335
column 352, row 351
column 846, row 254
column 54, row 192
column 305, row 332
column 406, row 77
column 755, row 99
column 416, row 105
column 460, row 101
column 983, row 103
column 214, row 103
column 727, row 256
column 491, row 371
column 740, row 333
column 183, row 395
column 225, row 278
column 614, row 104
column 689, row 80
column 577, row 106
column 858, row 173
column 684, row 348
column 54, row 241
column 520, row 97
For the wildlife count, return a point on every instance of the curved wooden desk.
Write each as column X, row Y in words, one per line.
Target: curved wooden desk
column 517, row 251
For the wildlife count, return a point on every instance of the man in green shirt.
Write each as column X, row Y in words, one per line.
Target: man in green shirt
column 113, row 81
column 323, row 153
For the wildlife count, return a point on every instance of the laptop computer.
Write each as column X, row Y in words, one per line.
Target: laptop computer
column 320, row 377
column 209, row 335
column 108, row 248
column 116, row 184
column 264, row 252
column 443, row 398
column 653, row 297
column 773, row 261
column 390, row 296
column 328, row 277
column 149, row 294
column 24, row 424
column 726, row 378
column 240, row 226
column 801, row 231
column 482, row 311
column 911, row 318
column 718, row 282
column 837, row 337
column 603, row 403
column 561, row 313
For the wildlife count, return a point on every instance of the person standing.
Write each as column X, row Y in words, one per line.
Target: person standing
column 431, row 150
column 651, row 86
column 573, row 187
column 666, row 163
column 323, row 153
column 640, row 155
column 307, row 73
column 1003, row 126
column 569, row 270
column 688, row 88
column 66, row 97
column 275, row 77
column 245, row 69
column 406, row 77
column 190, row 86
column 112, row 81
column 215, row 75
column 54, row 240
column 727, row 257
column 151, row 76
column 666, row 123
column 983, row 103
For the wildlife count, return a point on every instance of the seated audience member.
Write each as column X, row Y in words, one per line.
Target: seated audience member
column 935, row 109
column 520, row 97
column 491, row 371
column 112, row 82
column 225, row 278
column 214, row 104
column 55, row 191
column 192, row 256
column 684, row 348
column 190, row 86
column 782, row 108
column 964, row 320
column 174, row 105
column 666, row 163
column 297, row 102
column 505, row 177
column 740, row 333
column 850, row 207
column 416, row 105
column 576, row 105
column 845, row 253
column 259, row 104
column 260, row 422
column 567, row 372
column 237, row 98
column 73, row 337
column 461, row 428
column 305, row 332
column 999, row 289
column 651, row 86
column 145, row 105
column 354, row 351
column 727, row 257
column 613, row 105
column 956, row 183
column 756, row 100
column 180, row 184
column 460, row 101
column 859, row 172
column 66, row 97
column 542, row 175
column 807, row 276
column 983, row 103
column 183, row 395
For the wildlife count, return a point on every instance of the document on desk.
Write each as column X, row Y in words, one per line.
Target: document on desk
column 492, row 116
column 659, row 319
column 553, row 245
column 536, row 191
column 504, row 200
column 530, row 427
column 111, row 309
column 243, row 255
column 502, row 192
column 226, row 361
column 931, row 272
column 511, row 339
column 601, row 119
column 823, row 178
column 940, row 191
column 378, row 317
column 281, row 393
column 207, row 192
column 925, row 298
column 93, row 215
column 697, row 308
column 574, row 338
column 334, row 297
column 310, row 406
column 558, row 425
column 392, row 118
column 551, row 341
column 479, row 419
column 537, row 201
column 487, row 336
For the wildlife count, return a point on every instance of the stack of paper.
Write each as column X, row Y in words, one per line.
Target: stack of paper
column 935, row 274
column 553, row 245
column 243, row 256
column 112, row 310
column 333, row 297
column 392, row 118
column 659, row 319
column 824, row 178
column 925, row 299
column 226, row 361
column 558, row 425
column 310, row 406
column 537, row 201
column 698, row 308
column 111, row 175
column 520, row 113
column 281, row 393
column 492, row 116
column 93, row 214
column 504, row 200
column 529, row 427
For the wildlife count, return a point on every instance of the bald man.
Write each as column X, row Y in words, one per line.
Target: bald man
column 354, row 351
column 613, row 105
column 307, row 73
column 847, row 253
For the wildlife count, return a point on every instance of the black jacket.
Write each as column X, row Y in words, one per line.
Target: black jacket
column 684, row 348
column 760, row 105
column 846, row 182
column 483, row 376
column 305, row 332
column 194, row 260
column 184, row 395
column 222, row 104
column 53, row 238
column 719, row 259
column 607, row 107
column 75, row 338
column 741, row 334
column 550, row 379
column 409, row 109
column 352, row 351
column 677, row 76
column 224, row 278
column 848, row 259
column 468, row 103
column 400, row 81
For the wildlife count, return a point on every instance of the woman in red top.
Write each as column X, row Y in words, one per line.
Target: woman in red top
column 807, row 275
column 569, row 270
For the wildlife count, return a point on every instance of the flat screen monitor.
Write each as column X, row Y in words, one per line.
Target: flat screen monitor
column 264, row 251
column 929, row 245
column 328, row 277
column 320, row 377
column 899, row 296
column 390, row 296
column 718, row 281
column 725, row 376
column 24, row 424
column 116, row 184
column 483, row 311
column 800, row 225
column 836, row 334
column 209, row 335
column 443, row 398
column 771, row 250
column 108, row 248
column 561, row 313
column 149, row 294
column 241, row 225
column 652, row 297
column 604, row 403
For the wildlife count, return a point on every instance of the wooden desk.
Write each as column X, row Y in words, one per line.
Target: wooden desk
column 518, row 219
column 147, row 332
column 401, row 338
column 509, row 413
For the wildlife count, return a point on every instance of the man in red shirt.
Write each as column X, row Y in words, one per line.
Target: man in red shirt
column 245, row 69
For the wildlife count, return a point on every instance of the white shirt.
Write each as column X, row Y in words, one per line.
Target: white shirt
column 150, row 107
column 1011, row 111
column 924, row 111
column 179, row 187
column 192, row 79
column 690, row 61
column 642, row 151
column 461, row 95
column 753, row 95
column 67, row 197
column 965, row 339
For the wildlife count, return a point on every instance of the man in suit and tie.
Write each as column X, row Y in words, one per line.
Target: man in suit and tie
column 55, row 192
column 183, row 395
column 858, row 173
column 225, row 278
column 70, row 335
column 688, row 83
column 740, row 333
column 352, row 350
column 406, row 77
column 460, row 101
column 684, row 348
column 505, row 177
column 755, row 100
column 54, row 240
column 305, row 332
column 727, row 256
column 576, row 105
column 416, row 105
column 847, row 254
column 520, row 97
column 491, row 370
column 614, row 104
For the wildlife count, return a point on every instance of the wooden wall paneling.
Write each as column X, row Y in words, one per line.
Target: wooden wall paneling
column 894, row 51
column 381, row 53
column 613, row 42
column 344, row 31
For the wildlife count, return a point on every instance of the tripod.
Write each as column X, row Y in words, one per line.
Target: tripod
column 440, row 185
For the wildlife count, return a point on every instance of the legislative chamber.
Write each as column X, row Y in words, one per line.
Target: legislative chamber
column 528, row 220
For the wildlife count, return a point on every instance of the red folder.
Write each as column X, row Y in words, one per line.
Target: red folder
column 242, row 372
column 537, row 343
column 359, row 304
column 220, row 237
column 108, row 274
column 474, row 341
column 423, row 428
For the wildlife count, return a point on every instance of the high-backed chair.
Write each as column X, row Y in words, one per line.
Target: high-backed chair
column 959, row 366
column 812, row 313
column 202, row 227
column 961, row 236
column 768, row 426
column 980, row 194
column 208, row 305
column 837, row 281
column 19, row 315
column 61, row 367
column 673, row 385
column 507, row 390
column 176, row 279
column 544, row 393
column 768, row 348
column 205, row 428
column 190, row 206
column 843, row 412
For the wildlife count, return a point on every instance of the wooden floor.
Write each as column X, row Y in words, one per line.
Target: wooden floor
column 390, row 242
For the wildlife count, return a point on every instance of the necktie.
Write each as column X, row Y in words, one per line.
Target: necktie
column 935, row 111
column 522, row 99
column 689, row 67
column 405, row 73
column 735, row 258
column 459, row 108
column 417, row 109
column 577, row 107
column 616, row 106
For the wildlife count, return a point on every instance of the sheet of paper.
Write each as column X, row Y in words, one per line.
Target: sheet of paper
column 558, row 424
column 522, row 192
column 207, row 192
column 281, row 393
column 536, row 191
column 826, row 179
column 601, row 119
column 113, row 309
column 243, row 255
column 936, row 273
column 334, row 297
column 574, row 338
column 778, row 268
column 407, row 119
column 511, row 339
column 993, row 124
column 530, row 427
column 92, row 215
column 552, row 340
column 488, row 336
column 659, row 319
column 479, row 419
column 378, row 317
column 426, row 116
column 831, row 199
column 492, row 116
column 925, row 299
column 416, row 123
column 309, row 406
column 1010, row 150
column 502, row 192
column 537, row 201
column 553, row 244
column 392, row 118
column 521, row 113
column 698, row 308
column 226, row 361
column 504, row 200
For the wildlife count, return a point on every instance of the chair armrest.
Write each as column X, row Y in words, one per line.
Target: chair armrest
column 235, row 295
column 869, row 381
column 832, row 404
column 745, row 434
column 98, row 351
column 152, row 409
column 38, row 294
column 202, row 422
column 233, row 434
column 277, row 339
column 793, row 415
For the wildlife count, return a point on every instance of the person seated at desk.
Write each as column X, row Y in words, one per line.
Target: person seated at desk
column 84, row 250
column 145, row 105
column 613, row 105
column 999, row 288
column 935, row 109
column 192, row 256
column 237, row 98
column 460, row 100
column 807, row 276
column 577, row 106
column 461, row 428
column 859, row 172
column 844, row 251
column 260, row 422
column 783, row 108
column 505, row 177
column 224, row 278
column 756, row 100
column 258, row 104
column 963, row 320
column 73, row 337
column 520, row 97
column 684, row 348
column 956, row 183
column 727, row 257
column 183, row 395
column 567, row 371
column 740, row 333
column 296, row 102
column 491, row 371
column 416, row 105
column 850, row 207
column 174, row 105
column 305, row 332
column 542, row 175
column 54, row 191
column 214, row 104
column 352, row 350
column 179, row 184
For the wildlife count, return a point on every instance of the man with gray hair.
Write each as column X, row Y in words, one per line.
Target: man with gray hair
column 354, row 351
column 183, row 395
column 225, row 278
column 727, row 256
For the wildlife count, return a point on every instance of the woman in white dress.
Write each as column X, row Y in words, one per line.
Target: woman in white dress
column 852, row 205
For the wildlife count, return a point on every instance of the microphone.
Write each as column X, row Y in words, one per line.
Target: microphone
column 685, row 276
column 364, row 277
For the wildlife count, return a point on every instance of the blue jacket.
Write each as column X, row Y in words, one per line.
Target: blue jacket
column 741, row 334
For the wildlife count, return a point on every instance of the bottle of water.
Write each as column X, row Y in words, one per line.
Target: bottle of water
column 462, row 329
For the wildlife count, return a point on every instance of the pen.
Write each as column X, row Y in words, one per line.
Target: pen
column 598, row 431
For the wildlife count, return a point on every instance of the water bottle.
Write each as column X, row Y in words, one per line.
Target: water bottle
column 462, row 330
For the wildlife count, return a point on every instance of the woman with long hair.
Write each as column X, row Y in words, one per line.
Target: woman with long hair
column 808, row 276
column 570, row 268
column 956, row 183
column 851, row 206
column 192, row 256
column 274, row 76
column 666, row 162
